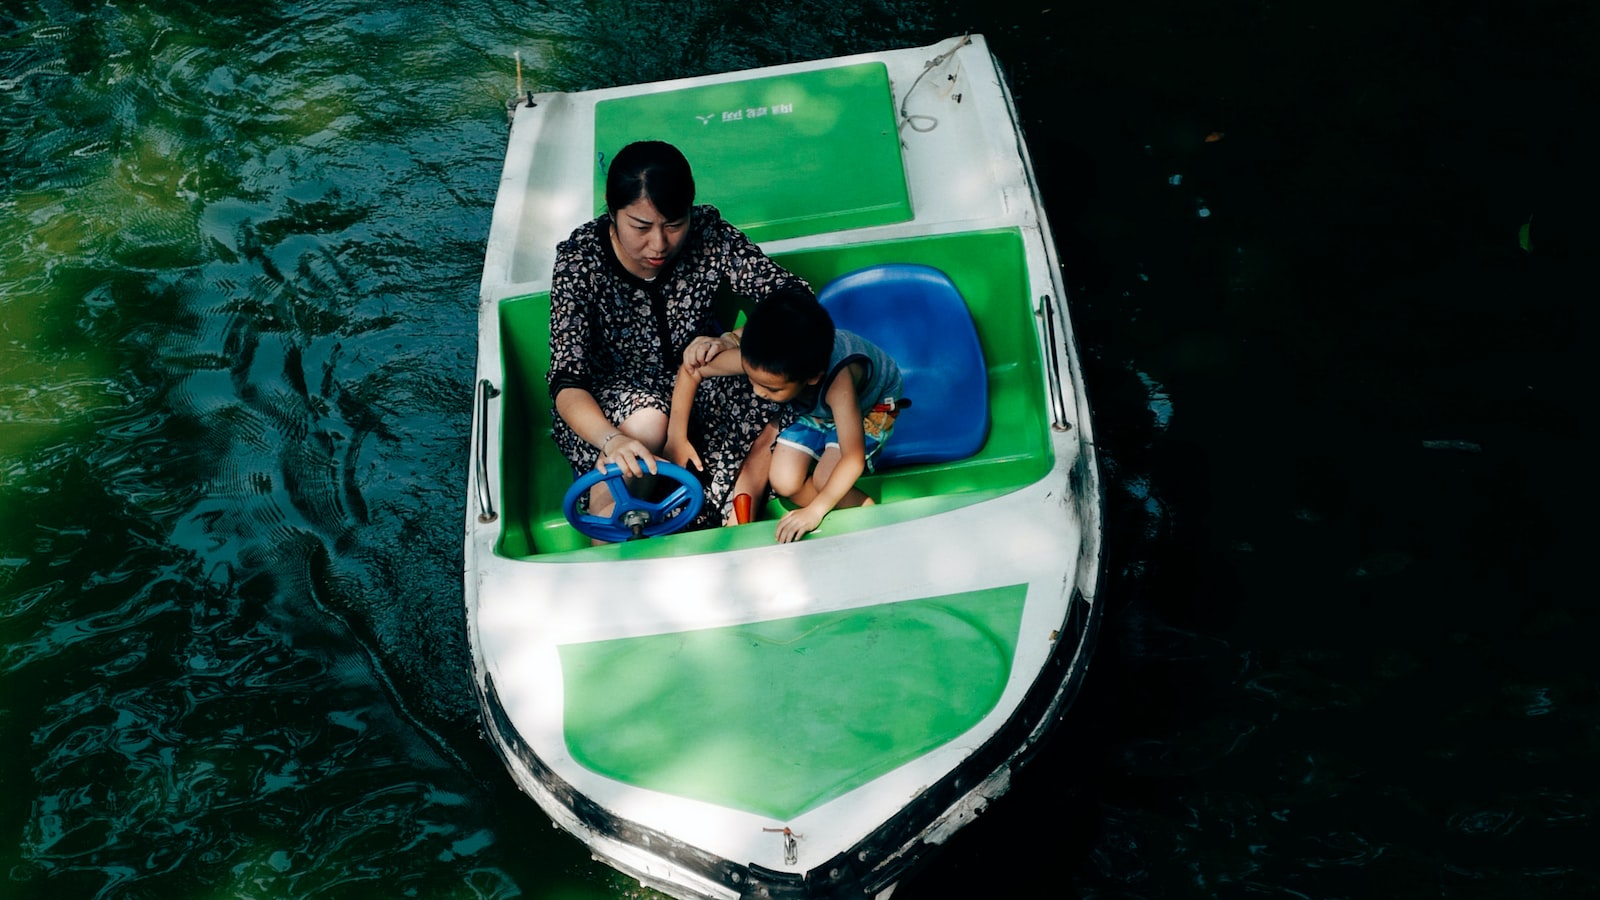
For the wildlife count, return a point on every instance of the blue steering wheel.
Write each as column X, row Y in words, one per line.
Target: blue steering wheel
column 631, row 517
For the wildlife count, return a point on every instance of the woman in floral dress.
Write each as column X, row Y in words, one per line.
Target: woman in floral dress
column 630, row 300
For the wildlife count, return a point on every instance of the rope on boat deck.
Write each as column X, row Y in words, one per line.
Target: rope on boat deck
column 791, row 854
column 932, row 121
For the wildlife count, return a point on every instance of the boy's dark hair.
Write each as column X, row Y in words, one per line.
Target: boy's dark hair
column 789, row 334
column 653, row 169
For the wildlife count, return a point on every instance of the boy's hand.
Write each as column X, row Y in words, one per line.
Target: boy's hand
column 682, row 452
column 679, row 449
column 797, row 523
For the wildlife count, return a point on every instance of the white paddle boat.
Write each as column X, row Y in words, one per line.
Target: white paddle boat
column 723, row 716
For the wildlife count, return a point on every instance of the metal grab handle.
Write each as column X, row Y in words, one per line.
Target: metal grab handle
column 485, row 393
column 1058, row 400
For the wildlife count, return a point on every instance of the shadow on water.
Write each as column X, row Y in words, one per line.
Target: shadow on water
column 1337, row 401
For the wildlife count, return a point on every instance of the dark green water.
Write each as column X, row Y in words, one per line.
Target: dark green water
column 1347, row 653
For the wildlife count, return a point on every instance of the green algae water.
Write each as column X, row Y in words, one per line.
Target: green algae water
column 1324, row 270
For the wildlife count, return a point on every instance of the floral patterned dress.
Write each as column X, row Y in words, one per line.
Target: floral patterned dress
column 621, row 338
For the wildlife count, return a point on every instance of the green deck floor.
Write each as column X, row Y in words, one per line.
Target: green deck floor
column 779, row 717
column 781, row 155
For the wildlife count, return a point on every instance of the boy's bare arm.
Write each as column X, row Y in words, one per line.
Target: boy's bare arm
column 679, row 448
column 841, row 402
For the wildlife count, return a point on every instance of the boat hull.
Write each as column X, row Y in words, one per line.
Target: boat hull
column 722, row 716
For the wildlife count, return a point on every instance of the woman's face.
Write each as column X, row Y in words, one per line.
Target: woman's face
column 645, row 239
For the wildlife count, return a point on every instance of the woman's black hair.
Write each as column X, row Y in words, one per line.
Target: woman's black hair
column 653, row 169
column 789, row 334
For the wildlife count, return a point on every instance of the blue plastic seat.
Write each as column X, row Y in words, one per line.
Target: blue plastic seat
column 918, row 317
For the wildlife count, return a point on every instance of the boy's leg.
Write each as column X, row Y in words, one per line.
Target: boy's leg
column 798, row 449
column 876, row 428
column 790, row 466
column 819, row 479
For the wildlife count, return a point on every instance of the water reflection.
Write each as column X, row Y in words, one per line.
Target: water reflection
column 231, row 396
column 612, row 42
column 239, row 253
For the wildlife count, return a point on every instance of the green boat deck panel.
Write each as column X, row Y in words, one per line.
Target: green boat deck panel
column 779, row 717
column 780, row 156
column 551, row 162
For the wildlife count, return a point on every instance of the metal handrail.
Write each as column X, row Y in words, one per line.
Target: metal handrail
column 485, row 392
column 1058, row 400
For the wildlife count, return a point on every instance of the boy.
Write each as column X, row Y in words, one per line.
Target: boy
column 843, row 388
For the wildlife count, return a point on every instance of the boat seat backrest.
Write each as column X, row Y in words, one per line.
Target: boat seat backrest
column 916, row 314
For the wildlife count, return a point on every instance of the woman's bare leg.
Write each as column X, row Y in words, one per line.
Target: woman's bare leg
column 649, row 427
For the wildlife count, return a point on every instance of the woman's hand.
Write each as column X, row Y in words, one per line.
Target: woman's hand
column 705, row 348
column 628, row 452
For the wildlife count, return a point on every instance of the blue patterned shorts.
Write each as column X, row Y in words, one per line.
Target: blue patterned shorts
column 814, row 436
